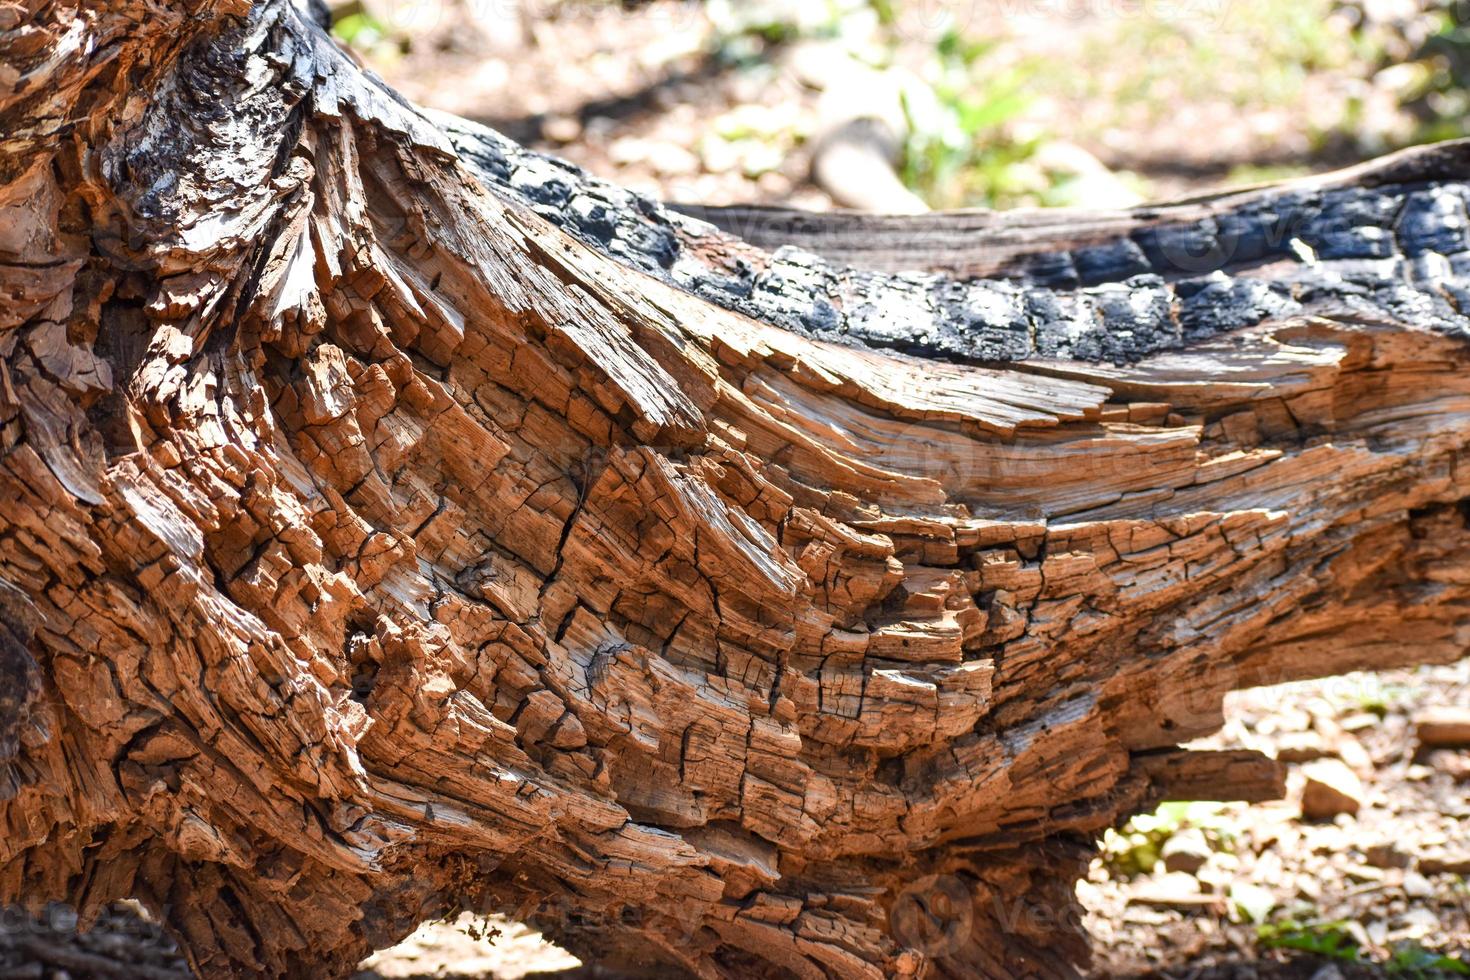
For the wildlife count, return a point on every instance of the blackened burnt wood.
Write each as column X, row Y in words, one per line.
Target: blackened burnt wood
column 394, row 521
column 1387, row 239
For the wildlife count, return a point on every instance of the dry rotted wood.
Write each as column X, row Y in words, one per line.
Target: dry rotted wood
column 394, row 521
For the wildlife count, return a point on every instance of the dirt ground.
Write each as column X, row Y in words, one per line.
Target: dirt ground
column 719, row 101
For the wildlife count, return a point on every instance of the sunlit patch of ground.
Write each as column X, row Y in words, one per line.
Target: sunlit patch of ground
column 470, row 946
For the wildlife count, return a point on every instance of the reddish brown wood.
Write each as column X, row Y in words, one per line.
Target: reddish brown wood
column 370, row 548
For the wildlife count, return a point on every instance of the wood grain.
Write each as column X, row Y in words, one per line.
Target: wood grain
column 375, row 544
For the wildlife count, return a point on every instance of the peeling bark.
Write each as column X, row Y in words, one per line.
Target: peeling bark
column 393, row 521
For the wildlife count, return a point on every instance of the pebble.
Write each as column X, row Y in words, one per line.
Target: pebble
column 562, row 129
column 1255, row 902
column 1446, row 863
column 1186, row 851
column 1331, row 788
column 1174, row 890
column 1139, row 915
column 1419, row 923
column 1301, row 746
column 1359, row 721
column 1387, row 855
column 1417, row 886
column 1443, row 727
column 1456, row 765
column 1364, row 873
column 1351, row 751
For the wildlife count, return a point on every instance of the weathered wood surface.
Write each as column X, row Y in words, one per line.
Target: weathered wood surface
column 394, row 521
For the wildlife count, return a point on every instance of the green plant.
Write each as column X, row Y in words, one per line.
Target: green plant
column 1378, row 698
column 1136, row 846
column 737, row 23
column 355, row 27
column 1335, row 941
column 1441, row 99
column 358, row 28
column 1414, row 962
column 958, row 151
column 1332, row 940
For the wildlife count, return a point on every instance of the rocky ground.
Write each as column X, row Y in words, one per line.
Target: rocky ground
column 1362, row 869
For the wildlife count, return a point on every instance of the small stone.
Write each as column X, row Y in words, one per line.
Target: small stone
column 1418, row 923
column 569, row 733
column 1139, row 916
column 1443, row 727
column 1213, row 880
column 562, row 129
column 1327, row 839
column 1417, row 886
column 774, row 184
column 1328, row 972
column 670, row 160
column 1285, row 720
column 908, row 964
column 1351, row 751
column 1175, row 890
column 1446, row 863
column 1253, row 902
column 1301, row 746
column 1359, row 721
column 1268, row 868
column 1363, row 873
column 1355, row 929
column 1186, row 851
column 1456, row 765
column 167, row 454
column 1387, row 855
column 1331, row 788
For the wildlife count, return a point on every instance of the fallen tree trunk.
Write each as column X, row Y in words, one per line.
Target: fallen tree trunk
column 394, row 521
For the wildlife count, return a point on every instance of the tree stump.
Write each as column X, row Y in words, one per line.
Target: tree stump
column 395, row 521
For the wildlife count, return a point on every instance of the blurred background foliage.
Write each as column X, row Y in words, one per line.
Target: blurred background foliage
column 993, row 103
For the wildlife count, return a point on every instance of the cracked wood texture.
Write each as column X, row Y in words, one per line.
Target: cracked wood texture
column 394, row 521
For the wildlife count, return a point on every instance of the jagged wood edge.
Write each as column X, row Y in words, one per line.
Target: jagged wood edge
column 993, row 556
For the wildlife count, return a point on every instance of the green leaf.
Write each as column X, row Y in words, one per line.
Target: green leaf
column 1329, row 939
column 360, row 29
